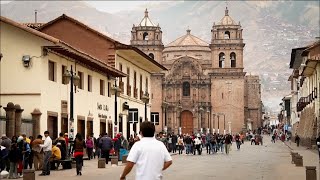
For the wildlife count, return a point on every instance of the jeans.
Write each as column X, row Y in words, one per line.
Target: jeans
column 46, row 163
column 188, row 149
column 13, row 170
column 222, row 147
column 213, row 148
column 238, row 144
column 198, row 148
column 105, row 154
column 26, row 160
column 79, row 163
column 180, row 149
column 174, row 147
column 208, row 147
column 90, row 153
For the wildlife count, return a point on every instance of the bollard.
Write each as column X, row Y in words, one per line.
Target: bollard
column 73, row 164
column 299, row 161
column 114, row 160
column 28, row 174
column 293, row 156
column 124, row 158
column 101, row 163
column 311, row 173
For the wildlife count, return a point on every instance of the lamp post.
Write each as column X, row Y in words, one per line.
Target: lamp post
column 74, row 81
column 164, row 106
column 145, row 99
column 214, row 123
column 200, row 122
column 115, row 90
column 218, row 123
column 208, row 127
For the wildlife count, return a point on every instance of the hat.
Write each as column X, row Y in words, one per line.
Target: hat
column 66, row 134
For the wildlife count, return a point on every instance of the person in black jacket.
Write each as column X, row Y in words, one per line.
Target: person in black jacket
column 13, row 158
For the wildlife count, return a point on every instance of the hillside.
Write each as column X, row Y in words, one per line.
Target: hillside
column 271, row 29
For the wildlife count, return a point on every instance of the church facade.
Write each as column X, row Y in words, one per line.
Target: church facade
column 205, row 88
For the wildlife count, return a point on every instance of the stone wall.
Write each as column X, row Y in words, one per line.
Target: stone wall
column 306, row 125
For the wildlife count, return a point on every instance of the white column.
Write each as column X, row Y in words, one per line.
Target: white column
column 124, row 127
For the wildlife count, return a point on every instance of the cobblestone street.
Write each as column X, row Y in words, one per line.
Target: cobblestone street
column 267, row 162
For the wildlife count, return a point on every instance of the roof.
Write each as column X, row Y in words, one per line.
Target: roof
column 64, row 16
column 67, row 49
column 188, row 40
column 296, row 58
column 146, row 20
column 313, row 45
column 117, row 44
column 227, row 20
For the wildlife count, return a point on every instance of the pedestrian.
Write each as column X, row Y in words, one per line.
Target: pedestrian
column 150, row 156
column 238, row 141
column 37, row 153
column 131, row 141
column 5, row 163
column 228, row 141
column 188, row 142
column 273, row 138
column 105, row 145
column 13, row 158
column 78, row 146
column 63, row 147
column 26, row 150
column 30, row 161
column 47, row 150
column 89, row 144
column 297, row 140
column 207, row 143
column 174, row 143
column 197, row 143
column 169, row 140
column 180, row 144
column 55, row 157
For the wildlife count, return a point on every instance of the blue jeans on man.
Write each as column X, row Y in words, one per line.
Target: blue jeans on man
column 188, row 149
column 46, row 163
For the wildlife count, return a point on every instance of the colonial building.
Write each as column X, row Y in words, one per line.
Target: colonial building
column 114, row 78
column 205, row 87
column 305, row 78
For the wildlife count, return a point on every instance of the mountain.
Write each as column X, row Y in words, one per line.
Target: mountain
column 270, row 28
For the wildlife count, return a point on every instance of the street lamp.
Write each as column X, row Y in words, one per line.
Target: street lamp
column 115, row 90
column 214, row 123
column 208, row 127
column 145, row 99
column 70, row 76
column 200, row 122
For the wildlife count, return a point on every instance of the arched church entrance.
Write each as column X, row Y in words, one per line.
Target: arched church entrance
column 186, row 122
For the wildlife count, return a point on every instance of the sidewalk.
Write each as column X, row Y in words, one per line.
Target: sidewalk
column 310, row 156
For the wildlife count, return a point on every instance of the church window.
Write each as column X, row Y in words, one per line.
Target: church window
column 233, row 59
column 157, row 37
column 145, row 36
column 221, row 60
column 215, row 36
column 151, row 55
column 186, row 88
column 227, row 35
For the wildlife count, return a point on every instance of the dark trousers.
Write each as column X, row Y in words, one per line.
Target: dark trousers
column 105, row 154
column 198, row 149
column 90, row 153
column 174, row 148
column 79, row 163
column 180, row 149
column 238, row 144
column 208, row 148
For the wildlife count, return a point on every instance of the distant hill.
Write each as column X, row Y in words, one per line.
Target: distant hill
column 271, row 29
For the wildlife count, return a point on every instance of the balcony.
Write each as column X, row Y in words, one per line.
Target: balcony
column 141, row 94
column 302, row 103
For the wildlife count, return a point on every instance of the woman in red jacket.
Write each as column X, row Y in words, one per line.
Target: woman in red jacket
column 78, row 146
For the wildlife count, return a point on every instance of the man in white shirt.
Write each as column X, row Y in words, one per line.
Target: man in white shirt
column 47, row 148
column 150, row 155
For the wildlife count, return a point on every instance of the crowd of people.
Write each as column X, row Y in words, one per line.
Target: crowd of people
column 44, row 154
column 194, row 143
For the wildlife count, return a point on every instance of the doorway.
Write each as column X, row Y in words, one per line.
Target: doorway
column 102, row 128
column 186, row 122
column 81, row 127
column 89, row 127
column 52, row 126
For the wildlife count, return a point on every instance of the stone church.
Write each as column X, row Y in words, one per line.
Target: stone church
column 205, row 88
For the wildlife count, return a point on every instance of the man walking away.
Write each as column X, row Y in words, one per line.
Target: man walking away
column 238, row 141
column 37, row 153
column 297, row 140
column 197, row 142
column 105, row 144
column 174, row 143
column 46, row 147
column 228, row 141
column 149, row 154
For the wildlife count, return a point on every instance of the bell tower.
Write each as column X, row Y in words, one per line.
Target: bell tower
column 227, row 43
column 148, row 38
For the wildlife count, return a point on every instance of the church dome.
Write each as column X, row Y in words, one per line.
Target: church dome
column 227, row 20
column 146, row 20
column 188, row 40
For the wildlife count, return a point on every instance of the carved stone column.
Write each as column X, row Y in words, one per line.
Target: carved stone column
column 18, row 115
column 36, row 115
column 10, row 119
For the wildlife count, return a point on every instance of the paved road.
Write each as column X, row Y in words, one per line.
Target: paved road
column 267, row 162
